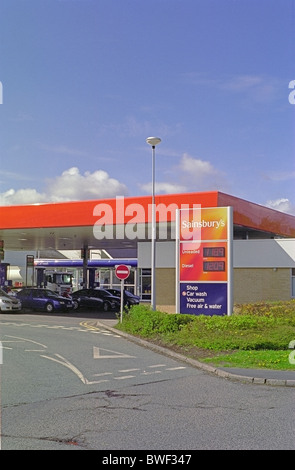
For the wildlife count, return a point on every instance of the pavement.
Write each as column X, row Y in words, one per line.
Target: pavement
column 256, row 376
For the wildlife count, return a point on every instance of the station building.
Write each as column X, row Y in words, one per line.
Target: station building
column 118, row 230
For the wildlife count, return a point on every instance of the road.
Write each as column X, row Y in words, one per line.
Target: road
column 69, row 383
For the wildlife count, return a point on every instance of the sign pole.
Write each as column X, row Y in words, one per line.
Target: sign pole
column 122, row 272
column 122, row 300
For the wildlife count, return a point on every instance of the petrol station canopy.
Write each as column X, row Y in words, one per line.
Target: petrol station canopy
column 71, row 225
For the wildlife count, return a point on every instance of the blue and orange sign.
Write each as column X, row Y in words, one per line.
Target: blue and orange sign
column 204, row 260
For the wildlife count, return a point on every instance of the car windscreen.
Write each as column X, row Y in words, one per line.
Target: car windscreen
column 50, row 293
column 3, row 293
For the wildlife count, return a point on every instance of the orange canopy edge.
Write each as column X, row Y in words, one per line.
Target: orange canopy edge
column 85, row 213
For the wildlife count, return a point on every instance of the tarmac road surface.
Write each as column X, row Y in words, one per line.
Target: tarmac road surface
column 73, row 382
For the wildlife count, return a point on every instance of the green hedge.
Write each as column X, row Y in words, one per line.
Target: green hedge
column 256, row 326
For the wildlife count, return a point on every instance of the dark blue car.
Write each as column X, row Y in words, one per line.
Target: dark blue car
column 129, row 298
column 43, row 299
column 99, row 299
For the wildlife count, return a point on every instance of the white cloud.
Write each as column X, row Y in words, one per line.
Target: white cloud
column 280, row 175
column 282, row 205
column 191, row 174
column 243, row 82
column 196, row 167
column 164, row 188
column 259, row 88
column 21, row 196
column 71, row 185
column 199, row 175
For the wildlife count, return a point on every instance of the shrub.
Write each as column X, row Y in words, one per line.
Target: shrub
column 256, row 326
column 284, row 310
column 142, row 320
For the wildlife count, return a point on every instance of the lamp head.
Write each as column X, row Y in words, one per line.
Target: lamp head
column 153, row 141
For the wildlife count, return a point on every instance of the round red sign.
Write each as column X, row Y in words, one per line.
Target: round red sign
column 122, row 271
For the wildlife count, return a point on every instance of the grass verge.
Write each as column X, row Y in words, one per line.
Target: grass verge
column 255, row 336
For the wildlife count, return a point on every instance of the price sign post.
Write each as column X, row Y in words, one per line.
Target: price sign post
column 122, row 272
column 204, row 261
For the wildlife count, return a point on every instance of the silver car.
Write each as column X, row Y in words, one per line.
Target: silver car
column 9, row 303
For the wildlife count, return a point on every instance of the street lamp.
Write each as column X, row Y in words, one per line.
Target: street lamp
column 153, row 141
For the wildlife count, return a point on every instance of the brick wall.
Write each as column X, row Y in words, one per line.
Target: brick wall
column 257, row 284
column 165, row 289
column 250, row 285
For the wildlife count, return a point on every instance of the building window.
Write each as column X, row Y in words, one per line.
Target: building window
column 145, row 284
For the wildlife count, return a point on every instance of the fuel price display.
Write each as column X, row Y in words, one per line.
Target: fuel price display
column 214, row 266
column 214, row 252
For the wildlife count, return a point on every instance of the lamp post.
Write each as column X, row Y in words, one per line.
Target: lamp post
column 153, row 141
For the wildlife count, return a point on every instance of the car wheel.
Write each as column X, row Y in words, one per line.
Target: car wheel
column 106, row 307
column 49, row 308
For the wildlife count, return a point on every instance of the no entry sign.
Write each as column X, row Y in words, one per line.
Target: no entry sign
column 122, row 271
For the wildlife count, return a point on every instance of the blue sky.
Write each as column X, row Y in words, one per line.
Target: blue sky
column 85, row 82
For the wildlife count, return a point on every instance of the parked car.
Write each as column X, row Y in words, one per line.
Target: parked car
column 100, row 299
column 83, row 299
column 129, row 298
column 43, row 299
column 9, row 303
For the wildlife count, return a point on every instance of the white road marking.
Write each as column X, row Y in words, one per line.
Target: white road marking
column 69, row 365
column 54, row 327
column 96, row 382
column 102, row 374
column 34, row 326
column 86, row 329
column 19, row 340
column 158, row 365
column 114, row 355
column 66, row 363
column 124, row 377
column 98, row 353
column 151, row 373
